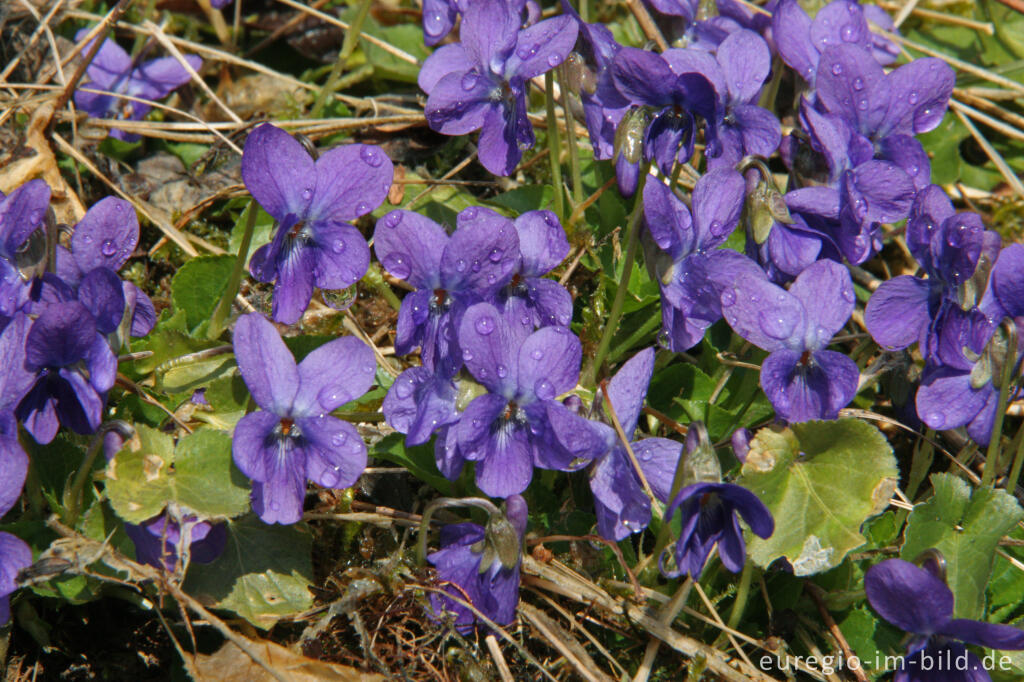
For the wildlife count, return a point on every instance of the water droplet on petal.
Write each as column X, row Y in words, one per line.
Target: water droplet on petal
column 837, row 69
column 467, row 355
column 913, row 97
column 537, row 354
column 307, row 193
column 460, row 265
column 403, row 389
column 433, row 23
column 728, row 296
column 645, row 456
column 339, row 439
column 495, row 255
column 371, row 155
column 848, row 33
column 717, row 228
column 109, row 248
column 338, row 246
column 470, row 80
column 775, row 325
column 470, row 212
column 554, row 60
column 858, row 83
column 362, row 208
column 476, row 266
column 848, row 294
column 544, row 390
column 485, row 325
column 392, row 219
column 502, row 371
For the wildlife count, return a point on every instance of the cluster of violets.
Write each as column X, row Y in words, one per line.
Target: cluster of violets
column 499, row 363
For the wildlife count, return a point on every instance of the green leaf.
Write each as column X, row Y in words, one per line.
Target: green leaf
column 263, row 575
column 205, row 479
column 525, row 198
column 149, row 473
column 198, row 285
column 419, row 460
column 966, row 527
column 821, row 481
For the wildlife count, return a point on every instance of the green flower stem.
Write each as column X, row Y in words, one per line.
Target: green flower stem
column 632, row 244
column 742, row 594
column 444, row 503
column 223, row 309
column 1018, row 460
column 585, row 10
column 554, row 146
column 33, row 486
column 74, row 507
column 652, row 323
column 572, row 139
column 988, row 475
column 348, row 46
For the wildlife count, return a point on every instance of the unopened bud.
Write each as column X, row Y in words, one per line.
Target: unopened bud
column 629, row 136
column 700, row 463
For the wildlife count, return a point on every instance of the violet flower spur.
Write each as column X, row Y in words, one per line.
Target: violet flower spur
column 113, row 71
column 695, row 270
column 312, row 203
column 654, row 80
column 292, row 438
column 708, row 512
column 73, row 368
column 518, row 423
column 449, row 274
column 802, row 380
column 158, row 541
column 482, row 566
column 21, row 214
column 620, row 502
column 481, row 82
column 920, row 603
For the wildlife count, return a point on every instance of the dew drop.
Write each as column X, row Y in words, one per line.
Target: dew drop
column 502, row 371
column 467, row 355
column 371, row 155
column 476, row 266
column 403, row 389
column 469, row 81
column 848, row 34
column 470, row 212
column 492, row 278
column 935, row 420
column 848, row 295
column 913, row 97
column 338, row 246
column 87, row 239
column 644, row 456
column 717, row 228
column 109, row 248
column 307, row 193
column 433, row 24
column 485, row 325
column 495, row 255
column 537, row 354
column 554, row 60
column 858, row 83
column 460, row 265
column 391, row 220
column 544, row 390
column 775, row 325
column 728, row 297
column 862, row 104
column 837, row 69
column 338, row 440
column 362, row 208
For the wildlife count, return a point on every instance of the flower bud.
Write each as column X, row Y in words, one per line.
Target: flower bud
column 629, row 136
column 700, row 463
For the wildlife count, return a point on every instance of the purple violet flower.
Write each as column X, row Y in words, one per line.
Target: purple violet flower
column 696, row 270
column 113, row 71
column 73, row 368
column 158, row 540
column 620, row 502
column 802, row 380
column 801, row 40
column 481, row 82
column 481, row 566
column 21, row 214
column 15, row 555
column 518, row 424
column 708, row 512
column 312, row 203
column 15, row 381
column 101, row 243
column 439, row 16
column 673, row 88
column 449, row 273
column 292, row 437
column 536, row 299
column 419, row 403
column 918, row 602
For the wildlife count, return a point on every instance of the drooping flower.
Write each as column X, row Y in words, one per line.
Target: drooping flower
column 481, row 82
column 292, row 437
column 21, row 215
column 518, row 424
column 481, row 566
column 449, row 273
column 708, row 512
column 312, row 203
column 113, row 71
column 918, row 602
column 73, row 368
column 695, row 271
column 620, row 502
column 158, row 541
column 802, row 380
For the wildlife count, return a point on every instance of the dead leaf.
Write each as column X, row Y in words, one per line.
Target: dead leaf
column 43, row 164
column 231, row 664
